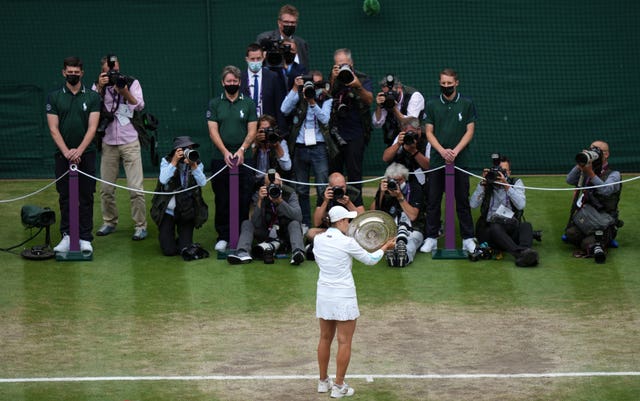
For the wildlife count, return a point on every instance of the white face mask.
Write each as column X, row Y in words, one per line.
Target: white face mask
column 254, row 66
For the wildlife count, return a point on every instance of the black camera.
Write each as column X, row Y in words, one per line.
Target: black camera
column 410, row 137
column 482, row 252
column 275, row 50
column 271, row 135
column 403, row 233
column 105, row 119
column 274, row 190
column 597, row 249
column 492, row 175
column 345, row 74
column 537, row 235
column 336, row 137
column 342, row 110
column 115, row 77
column 309, row 87
column 390, row 99
column 194, row 252
column 191, row 155
column 338, row 192
column 589, row 156
column 392, row 184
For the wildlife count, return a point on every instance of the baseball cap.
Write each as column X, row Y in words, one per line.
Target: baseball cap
column 338, row 213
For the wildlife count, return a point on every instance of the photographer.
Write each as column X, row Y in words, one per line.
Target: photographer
column 594, row 221
column 403, row 200
column 310, row 108
column 394, row 103
column 275, row 222
column 350, row 123
column 287, row 23
column 337, row 193
column 121, row 98
column 502, row 200
column 270, row 150
column 183, row 212
column 410, row 148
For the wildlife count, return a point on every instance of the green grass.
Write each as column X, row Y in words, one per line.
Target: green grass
column 132, row 311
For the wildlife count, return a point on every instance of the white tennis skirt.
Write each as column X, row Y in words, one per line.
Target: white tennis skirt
column 337, row 308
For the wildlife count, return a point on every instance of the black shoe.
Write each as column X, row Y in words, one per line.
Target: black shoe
column 308, row 250
column 297, row 257
column 527, row 258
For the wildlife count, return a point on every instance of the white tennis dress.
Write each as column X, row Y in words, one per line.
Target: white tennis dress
column 336, row 292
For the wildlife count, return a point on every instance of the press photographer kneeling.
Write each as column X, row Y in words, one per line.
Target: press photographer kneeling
column 182, row 212
column 500, row 226
column 593, row 220
column 403, row 200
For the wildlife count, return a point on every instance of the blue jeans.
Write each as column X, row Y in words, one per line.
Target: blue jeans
column 305, row 159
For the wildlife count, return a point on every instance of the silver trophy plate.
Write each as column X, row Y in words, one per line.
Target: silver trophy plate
column 372, row 229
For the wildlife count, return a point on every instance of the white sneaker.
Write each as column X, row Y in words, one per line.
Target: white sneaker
column 469, row 244
column 221, row 245
column 342, row 391
column 85, row 246
column 430, row 245
column 64, row 244
column 325, row 385
column 305, row 228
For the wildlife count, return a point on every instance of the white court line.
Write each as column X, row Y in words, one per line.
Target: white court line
column 368, row 378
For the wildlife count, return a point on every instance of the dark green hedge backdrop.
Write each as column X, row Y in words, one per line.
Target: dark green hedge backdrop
column 548, row 77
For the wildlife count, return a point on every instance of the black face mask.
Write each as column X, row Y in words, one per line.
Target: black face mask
column 288, row 30
column 447, row 90
column 289, row 57
column 232, row 89
column 73, row 79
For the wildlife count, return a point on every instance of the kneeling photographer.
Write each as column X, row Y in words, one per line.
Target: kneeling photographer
column 500, row 226
column 403, row 200
column 275, row 224
column 183, row 212
column 593, row 221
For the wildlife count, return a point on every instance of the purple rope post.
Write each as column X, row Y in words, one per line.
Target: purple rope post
column 234, row 205
column 450, row 206
column 74, row 214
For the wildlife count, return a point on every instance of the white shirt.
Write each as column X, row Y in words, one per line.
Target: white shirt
column 333, row 252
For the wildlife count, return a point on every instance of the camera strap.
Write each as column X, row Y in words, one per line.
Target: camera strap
column 115, row 96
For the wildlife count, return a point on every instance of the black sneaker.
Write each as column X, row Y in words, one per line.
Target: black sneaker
column 297, row 257
column 308, row 251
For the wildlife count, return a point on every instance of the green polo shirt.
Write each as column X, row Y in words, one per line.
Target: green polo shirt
column 73, row 113
column 450, row 119
column 233, row 119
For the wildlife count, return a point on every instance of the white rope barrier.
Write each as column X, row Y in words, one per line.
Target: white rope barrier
column 74, row 167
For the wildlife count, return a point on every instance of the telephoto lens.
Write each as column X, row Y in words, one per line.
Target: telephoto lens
column 192, row 155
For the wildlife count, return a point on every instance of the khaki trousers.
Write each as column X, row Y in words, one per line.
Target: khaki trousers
column 109, row 169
